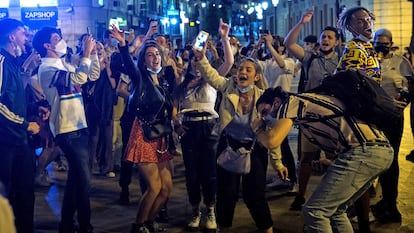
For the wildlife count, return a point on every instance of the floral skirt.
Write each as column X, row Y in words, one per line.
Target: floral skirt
column 141, row 150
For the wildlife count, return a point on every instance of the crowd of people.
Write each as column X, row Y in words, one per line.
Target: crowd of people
column 83, row 106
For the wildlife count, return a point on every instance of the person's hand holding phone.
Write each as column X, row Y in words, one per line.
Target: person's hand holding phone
column 118, row 35
column 153, row 28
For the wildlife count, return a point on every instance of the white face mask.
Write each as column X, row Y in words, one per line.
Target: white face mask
column 18, row 51
column 363, row 38
column 114, row 42
column 245, row 89
column 61, row 48
column 269, row 120
column 157, row 71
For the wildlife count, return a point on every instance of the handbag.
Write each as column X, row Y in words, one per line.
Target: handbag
column 154, row 130
column 236, row 161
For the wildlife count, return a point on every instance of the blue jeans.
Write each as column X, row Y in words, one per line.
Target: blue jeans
column 345, row 181
column 76, row 195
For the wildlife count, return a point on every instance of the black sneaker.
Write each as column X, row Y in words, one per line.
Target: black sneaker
column 386, row 214
column 297, row 203
column 162, row 216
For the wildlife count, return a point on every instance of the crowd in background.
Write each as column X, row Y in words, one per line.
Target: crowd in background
column 71, row 108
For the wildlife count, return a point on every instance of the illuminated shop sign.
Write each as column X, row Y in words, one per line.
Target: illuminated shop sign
column 4, row 13
column 38, row 17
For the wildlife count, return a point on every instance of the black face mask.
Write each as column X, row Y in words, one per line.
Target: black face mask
column 382, row 49
column 326, row 52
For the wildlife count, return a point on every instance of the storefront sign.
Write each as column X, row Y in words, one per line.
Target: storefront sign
column 38, row 17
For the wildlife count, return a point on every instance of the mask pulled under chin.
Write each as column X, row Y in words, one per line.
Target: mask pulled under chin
column 363, row 38
column 245, row 89
column 152, row 71
column 18, row 51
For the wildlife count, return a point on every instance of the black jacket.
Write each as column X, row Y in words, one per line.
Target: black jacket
column 13, row 123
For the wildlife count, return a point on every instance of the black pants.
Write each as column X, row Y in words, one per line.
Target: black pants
column 199, row 148
column 253, row 186
column 288, row 160
column 17, row 166
column 389, row 179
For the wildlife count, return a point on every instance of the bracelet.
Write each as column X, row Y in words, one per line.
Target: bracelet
column 224, row 39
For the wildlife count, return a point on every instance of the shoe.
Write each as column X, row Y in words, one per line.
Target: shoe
column 297, row 203
column 162, row 216
column 153, row 227
column 194, row 224
column 110, row 174
column 135, row 228
column 211, row 225
column 386, row 214
column 41, row 180
column 410, row 157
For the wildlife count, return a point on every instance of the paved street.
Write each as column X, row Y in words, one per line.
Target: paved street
column 110, row 217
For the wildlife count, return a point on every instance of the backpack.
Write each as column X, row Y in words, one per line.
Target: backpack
column 363, row 98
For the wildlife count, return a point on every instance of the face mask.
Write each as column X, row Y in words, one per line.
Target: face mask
column 326, row 52
column 152, row 71
column 195, row 74
column 245, row 89
column 18, row 51
column 269, row 120
column 382, row 49
column 114, row 42
column 363, row 38
column 61, row 48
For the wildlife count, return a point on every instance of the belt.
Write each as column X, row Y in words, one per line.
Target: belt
column 377, row 142
column 197, row 118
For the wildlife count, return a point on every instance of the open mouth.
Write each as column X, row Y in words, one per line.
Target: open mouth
column 242, row 78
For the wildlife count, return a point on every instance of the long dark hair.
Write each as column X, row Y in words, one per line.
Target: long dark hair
column 142, row 67
column 182, row 88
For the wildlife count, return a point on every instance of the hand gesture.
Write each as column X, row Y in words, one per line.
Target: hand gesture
column 153, row 28
column 306, row 18
column 224, row 29
column 89, row 45
column 118, row 35
column 283, row 173
column 268, row 39
column 33, row 128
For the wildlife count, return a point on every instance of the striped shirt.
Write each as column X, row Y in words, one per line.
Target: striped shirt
column 321, row 121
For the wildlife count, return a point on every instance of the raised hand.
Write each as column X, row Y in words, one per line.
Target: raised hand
column 306, row 18
column 118, row 35
column 224, row 29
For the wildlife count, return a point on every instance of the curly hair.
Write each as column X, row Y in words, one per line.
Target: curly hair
column 345, row 17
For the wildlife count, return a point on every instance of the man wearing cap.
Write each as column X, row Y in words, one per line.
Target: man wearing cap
column 394, row 70
column 16, row 160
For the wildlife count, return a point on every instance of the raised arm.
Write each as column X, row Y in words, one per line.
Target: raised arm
column 224, row 29
column 275, row 54
column 292, row 36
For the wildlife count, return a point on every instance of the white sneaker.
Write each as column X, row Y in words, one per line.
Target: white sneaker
column 211, row 224
column 194, row 224
column 110, row 174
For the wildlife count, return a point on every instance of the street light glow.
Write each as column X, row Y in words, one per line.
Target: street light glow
column 265, row 5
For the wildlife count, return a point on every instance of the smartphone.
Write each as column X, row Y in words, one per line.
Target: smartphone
column 87, row 31
column 200, row 40
column 113, row 21
column 264, row 31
